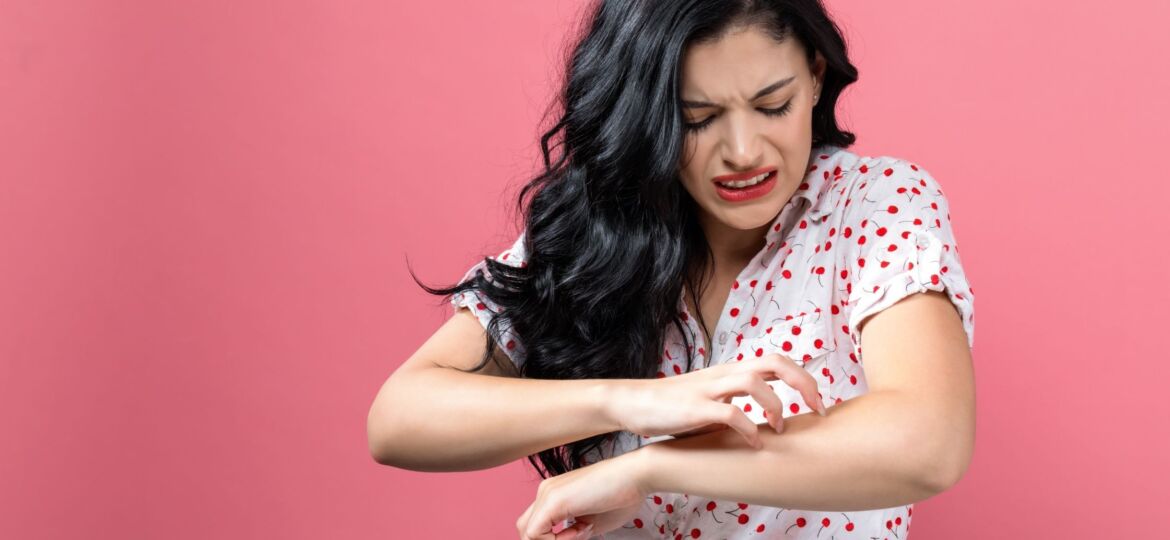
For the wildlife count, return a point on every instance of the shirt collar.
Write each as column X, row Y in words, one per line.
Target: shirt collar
column 818, row 179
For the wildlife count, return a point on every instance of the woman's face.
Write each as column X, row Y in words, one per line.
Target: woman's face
column 727, row 88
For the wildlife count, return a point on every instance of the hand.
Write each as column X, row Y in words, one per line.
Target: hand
column 699, row 401
column 600, row 497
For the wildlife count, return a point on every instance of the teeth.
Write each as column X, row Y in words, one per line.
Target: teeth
column 745, row 183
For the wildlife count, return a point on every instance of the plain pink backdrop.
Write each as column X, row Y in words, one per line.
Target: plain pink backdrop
column 206, row 209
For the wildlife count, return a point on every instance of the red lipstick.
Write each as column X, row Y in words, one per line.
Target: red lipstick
column 745, row 193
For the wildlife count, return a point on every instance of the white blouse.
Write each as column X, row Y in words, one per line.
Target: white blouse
column 858, row 235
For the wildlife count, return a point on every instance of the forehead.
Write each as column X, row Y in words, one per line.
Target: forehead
column 738, row 64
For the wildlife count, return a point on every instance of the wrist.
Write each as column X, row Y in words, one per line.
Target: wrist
column 612, row 397
column 640, row 468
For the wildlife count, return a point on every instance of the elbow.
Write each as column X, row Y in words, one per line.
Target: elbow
column 940, row 466
column 377, row 438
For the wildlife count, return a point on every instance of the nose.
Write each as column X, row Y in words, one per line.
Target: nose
column 741, row 145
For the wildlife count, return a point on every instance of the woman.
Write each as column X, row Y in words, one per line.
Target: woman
column 704, row 253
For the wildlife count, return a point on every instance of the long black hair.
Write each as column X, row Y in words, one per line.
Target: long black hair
column 610, row 234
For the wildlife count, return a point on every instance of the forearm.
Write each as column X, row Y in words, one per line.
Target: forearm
column 441, row 419
column 860, row 456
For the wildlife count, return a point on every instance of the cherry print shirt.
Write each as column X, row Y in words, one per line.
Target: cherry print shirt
column 859, row 234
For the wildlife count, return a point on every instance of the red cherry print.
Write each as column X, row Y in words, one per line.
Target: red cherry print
column 660, row 375
column 817, row 343
column 480, row 305
column 897, row 521
column 863, row 222
column 825, row 522
column 711, row 505
column 820, row 270
column 768, row 286
column 889, row 524
column 888, row 172
column 901, row 190
column 934, row 279
column 743, row 518
column 905, row 234
column 796, row 330
column 834, row 309
column 752, row 284
column 825, row 371
column 755, row 321
column 892, row 209
column 863, row 169
column 735, row 284
column 759, row 352
column 909, row 265
column 795, row 409
column 786, row 274
column 828, row 245
column 861, row 240
column 695, row 533
column 885, row 264
column 849, row 526
column 861, row 262
column 848, row 232
column 832, row 231
column 893, row 247
column 881, row 231
column 917, row 221
column 786, row 346
column 739, row 357
column 657, row 499
column 747, row 407
column 760, row 528
column 638, row 523
column 853, row 379
column 742, row 506
column 734, row 311
column 511, row 344
column 800, row 522
column 913, row 166
column 677, row 370
column 669, row 508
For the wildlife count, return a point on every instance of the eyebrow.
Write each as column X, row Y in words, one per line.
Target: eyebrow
column 763, row 92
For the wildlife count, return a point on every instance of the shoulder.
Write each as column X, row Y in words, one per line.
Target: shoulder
column 882, row 186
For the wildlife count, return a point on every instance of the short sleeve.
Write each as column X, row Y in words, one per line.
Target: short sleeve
column 484, row 309
column 902, row 243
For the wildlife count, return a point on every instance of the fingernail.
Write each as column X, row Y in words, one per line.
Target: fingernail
column 821, row 408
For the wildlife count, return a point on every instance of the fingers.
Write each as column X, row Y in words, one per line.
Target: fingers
column 579, row 531
column 793, row 375
column 799, row 379
column 752, row 383
column 731, row 415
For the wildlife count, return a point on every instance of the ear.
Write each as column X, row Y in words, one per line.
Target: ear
column 818, row 69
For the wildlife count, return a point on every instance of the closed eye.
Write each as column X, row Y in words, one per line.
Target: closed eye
column 699, row 126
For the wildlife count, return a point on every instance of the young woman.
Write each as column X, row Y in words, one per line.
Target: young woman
column 704, row 253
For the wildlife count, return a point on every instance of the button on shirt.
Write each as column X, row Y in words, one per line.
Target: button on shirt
column 859, row 234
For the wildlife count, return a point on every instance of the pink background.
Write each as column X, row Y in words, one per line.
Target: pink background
column 206, row 210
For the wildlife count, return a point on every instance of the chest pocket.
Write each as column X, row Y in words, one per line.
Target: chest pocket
column 805, row 340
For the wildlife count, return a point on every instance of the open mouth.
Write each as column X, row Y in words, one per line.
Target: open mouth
column 743, row 184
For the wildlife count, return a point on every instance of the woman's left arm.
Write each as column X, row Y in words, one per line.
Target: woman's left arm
column 910, row 437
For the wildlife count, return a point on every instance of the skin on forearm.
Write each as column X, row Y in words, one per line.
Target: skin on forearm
column 440, row 419
column 862, row 456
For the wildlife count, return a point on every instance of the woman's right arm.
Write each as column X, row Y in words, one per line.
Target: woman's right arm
column 432, row 418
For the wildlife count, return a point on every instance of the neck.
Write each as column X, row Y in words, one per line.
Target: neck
column 732, row 248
